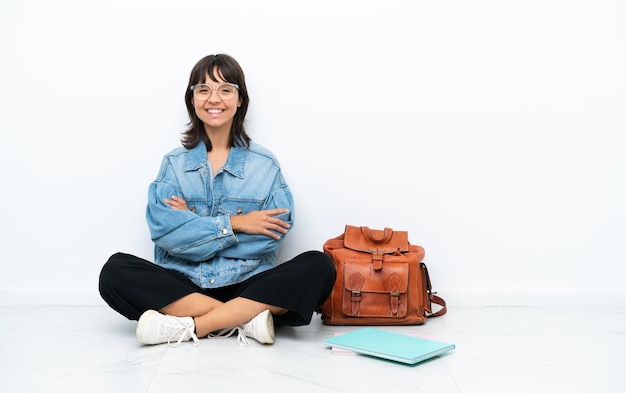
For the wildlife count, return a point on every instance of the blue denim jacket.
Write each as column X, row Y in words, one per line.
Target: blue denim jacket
column 200, row 243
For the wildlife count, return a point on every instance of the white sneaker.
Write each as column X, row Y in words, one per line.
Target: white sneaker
column 157, row 328
column 260, row 328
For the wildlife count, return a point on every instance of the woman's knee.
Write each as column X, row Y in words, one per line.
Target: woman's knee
column 111, row 266
column 115, row 268
column 320, row 263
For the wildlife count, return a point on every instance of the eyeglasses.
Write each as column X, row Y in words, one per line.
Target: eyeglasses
column 225, row 91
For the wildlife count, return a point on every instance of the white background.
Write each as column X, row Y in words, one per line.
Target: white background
column 491, row 130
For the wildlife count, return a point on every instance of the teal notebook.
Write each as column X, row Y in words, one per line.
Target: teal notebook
column 388, row 345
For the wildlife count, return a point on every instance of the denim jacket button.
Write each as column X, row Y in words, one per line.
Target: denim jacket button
column 211, row 281
column 224, row 231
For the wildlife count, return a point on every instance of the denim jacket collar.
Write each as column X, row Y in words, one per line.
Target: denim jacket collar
column 235, row 163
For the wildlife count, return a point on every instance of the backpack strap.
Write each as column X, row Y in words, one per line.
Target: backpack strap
column 432, row 297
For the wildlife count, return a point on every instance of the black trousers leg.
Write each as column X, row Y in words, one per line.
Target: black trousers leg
column 299, row 285
column 131, row 285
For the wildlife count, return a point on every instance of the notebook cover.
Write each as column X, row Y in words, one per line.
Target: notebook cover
column 389, row 345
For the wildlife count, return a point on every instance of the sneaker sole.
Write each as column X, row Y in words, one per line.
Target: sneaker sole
column 142, row 324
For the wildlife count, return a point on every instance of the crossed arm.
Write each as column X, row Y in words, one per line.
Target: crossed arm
column 261, row 222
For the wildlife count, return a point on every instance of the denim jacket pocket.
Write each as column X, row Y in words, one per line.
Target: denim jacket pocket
column 235, row 206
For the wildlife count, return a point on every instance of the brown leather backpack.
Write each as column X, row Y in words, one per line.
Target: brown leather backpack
column 381, row 280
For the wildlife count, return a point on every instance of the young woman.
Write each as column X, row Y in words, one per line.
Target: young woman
column 217, row 212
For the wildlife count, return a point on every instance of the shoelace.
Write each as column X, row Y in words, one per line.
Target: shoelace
column 242, row 340
column 182, row 332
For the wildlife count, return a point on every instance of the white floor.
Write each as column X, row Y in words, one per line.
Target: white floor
column 498, row 349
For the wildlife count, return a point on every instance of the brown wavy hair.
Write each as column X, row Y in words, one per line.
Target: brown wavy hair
column 229, row 70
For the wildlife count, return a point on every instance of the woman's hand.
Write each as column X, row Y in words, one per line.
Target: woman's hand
column 261, row 222
column 176, row 203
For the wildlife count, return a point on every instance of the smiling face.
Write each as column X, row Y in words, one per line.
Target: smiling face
column 211, row 115
column 215, row 112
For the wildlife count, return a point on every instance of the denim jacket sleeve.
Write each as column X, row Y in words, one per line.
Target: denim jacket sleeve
column 183, row 233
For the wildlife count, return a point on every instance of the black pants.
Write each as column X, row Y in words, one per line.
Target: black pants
column 132, row 285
